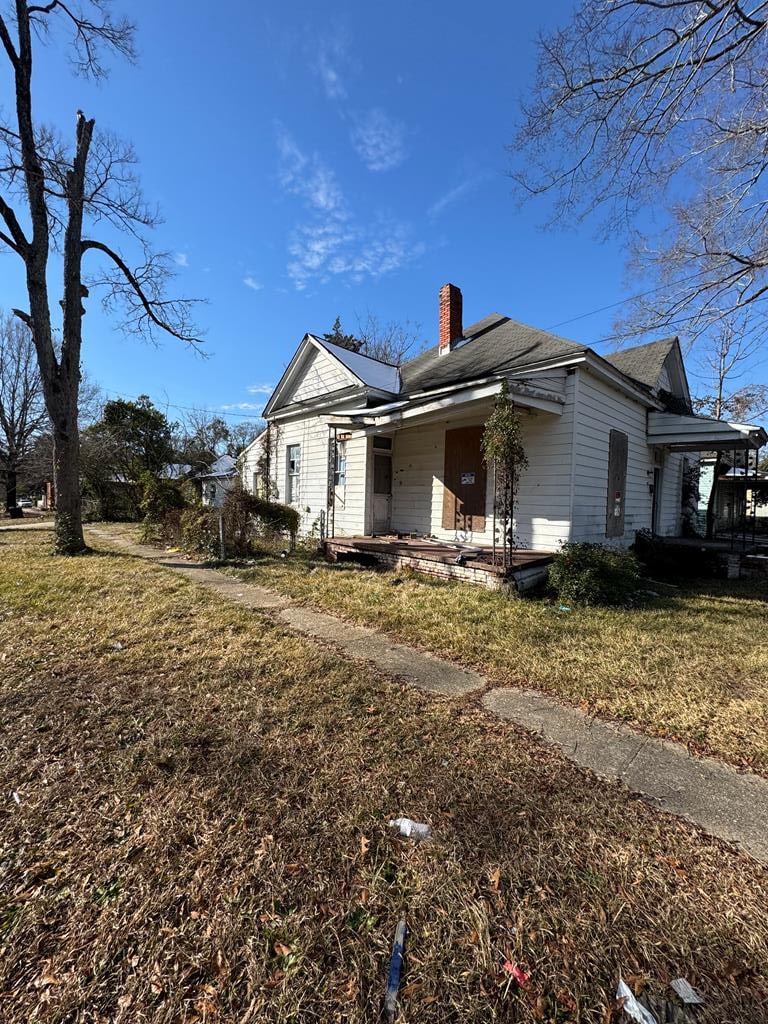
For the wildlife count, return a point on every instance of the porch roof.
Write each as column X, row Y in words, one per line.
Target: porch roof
column 437, row 402
column 699, row 433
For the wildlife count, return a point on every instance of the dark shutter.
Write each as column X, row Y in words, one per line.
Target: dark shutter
column 617, row 483
column 464, row 480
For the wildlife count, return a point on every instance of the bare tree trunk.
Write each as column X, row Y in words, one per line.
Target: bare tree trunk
column 10, row 488
column 66, row 476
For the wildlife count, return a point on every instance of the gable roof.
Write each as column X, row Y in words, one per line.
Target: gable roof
column 643, row 362
column 225, row 465
column 371, row 372
column 495, row 344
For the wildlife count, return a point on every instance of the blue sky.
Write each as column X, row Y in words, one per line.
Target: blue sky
column 314, row 160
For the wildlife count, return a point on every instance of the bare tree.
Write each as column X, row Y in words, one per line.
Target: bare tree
column 22, row 409
column 661, row 105
column 389, row 342
column 724, row 361
column 51, row 194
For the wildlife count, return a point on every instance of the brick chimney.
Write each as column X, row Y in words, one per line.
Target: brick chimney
column 451, row 329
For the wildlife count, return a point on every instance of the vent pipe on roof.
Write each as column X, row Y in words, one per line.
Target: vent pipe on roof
column 451, row 329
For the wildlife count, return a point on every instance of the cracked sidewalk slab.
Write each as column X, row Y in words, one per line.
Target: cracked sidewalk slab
column 713, row 796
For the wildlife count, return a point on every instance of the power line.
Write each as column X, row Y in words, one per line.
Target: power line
column 188, row 408
column 621, row 302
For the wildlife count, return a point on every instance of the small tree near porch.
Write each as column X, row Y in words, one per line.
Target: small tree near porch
column 503, row 451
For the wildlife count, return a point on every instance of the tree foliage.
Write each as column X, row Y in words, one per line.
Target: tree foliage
column 130, row 440
column 660, row 105
column 337, row 336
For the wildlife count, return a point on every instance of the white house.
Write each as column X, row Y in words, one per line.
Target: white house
column 217, row 480
column 363, row 448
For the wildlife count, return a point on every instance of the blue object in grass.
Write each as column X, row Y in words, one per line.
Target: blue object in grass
column 395, row 967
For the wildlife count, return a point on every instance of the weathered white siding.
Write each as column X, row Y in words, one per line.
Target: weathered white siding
column 312, row 434
column 321, row 375
column 600, row 409
column 670, row 506
column 542, row 520
column 350, row 516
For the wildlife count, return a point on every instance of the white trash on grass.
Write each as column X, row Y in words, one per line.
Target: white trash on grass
column 411, row 829
column 687, row 992
column 632, row 1007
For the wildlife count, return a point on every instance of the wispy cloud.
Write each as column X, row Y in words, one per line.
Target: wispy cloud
column 330, row 55
column 260, row 389
column 332, row 242
column 242, row 407
column 250, row 282
column 182, row 259
column 379, row 140
column 453, row 195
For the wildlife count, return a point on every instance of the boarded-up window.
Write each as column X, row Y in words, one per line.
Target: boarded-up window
column 464, row 480
column 617, row 484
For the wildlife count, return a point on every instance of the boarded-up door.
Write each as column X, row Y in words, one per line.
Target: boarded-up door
column 617, row 484
column 464, row 480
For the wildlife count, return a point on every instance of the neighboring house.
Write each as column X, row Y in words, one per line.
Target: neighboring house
column 741, row 494
column 217, row 481
column 364, row 448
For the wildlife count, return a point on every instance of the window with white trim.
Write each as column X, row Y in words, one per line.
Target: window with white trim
column 340, row 467
column 292, row 472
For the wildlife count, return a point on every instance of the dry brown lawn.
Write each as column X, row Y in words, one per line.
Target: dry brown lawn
column 693, row 665
column 193, row 829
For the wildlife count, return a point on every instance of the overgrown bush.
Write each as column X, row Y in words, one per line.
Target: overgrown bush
column 594, row 574
column 248, row 518
column 666, row 560
column 200, row 530
column 158, row 497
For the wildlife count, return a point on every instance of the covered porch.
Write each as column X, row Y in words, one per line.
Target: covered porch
column 742, row 490
column 427, row 483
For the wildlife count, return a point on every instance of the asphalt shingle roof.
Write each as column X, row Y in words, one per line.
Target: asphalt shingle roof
column 643, row 362
column 494, row 345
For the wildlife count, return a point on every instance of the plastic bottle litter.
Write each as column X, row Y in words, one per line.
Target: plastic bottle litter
column 411, row 829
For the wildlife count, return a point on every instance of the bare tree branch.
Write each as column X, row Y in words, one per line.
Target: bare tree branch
column 144, row 293
column 660, row 105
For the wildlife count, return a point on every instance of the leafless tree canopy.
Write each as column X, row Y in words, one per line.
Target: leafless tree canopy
column 661, row 106
column 22, row 409
column 725, row 362
column 392, row 342
column 77, row 196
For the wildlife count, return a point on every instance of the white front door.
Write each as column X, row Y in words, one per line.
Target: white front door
column 382, row 492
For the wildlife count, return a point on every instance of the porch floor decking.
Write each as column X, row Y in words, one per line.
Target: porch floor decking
column 471, row 563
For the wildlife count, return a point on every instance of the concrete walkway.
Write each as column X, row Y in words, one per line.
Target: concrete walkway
column 713, row 796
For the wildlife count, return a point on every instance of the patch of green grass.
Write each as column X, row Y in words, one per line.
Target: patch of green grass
column 237, row 779
column 692, row 665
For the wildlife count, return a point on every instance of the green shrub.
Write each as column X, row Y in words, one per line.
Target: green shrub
column 595, row 574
